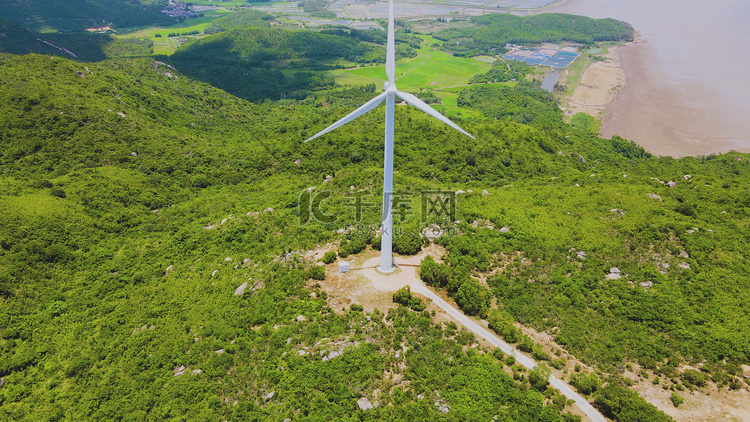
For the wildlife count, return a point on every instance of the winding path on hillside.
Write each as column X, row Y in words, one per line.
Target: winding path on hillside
column 406, row 275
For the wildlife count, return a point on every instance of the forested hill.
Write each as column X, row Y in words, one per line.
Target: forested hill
column 249, row 62
column 115, row 179
column 239, row 19
column 135, row 200
column 16, row 39
column 77, row 15
column 492, row 32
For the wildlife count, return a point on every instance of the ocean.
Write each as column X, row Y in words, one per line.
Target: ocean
column 687, row 89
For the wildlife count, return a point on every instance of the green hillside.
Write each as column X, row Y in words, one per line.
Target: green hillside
column 77, row 15
column 93, row 324
column 79, row 46
column 490, row 33
column 239, row 19
column 134, row 200
column 257, row 64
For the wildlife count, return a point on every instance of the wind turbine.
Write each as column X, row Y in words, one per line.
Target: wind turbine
column 389, row 95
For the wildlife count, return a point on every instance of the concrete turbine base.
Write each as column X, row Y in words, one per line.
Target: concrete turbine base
column 387, row 271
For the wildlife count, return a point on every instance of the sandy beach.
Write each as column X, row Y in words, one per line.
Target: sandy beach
column 686, row 93
column 599, row 85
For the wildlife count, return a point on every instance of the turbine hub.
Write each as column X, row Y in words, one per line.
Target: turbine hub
column 391, row 89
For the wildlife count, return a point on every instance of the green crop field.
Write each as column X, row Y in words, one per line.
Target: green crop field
column 229, row 3
column 163, row 44
column 429, row 69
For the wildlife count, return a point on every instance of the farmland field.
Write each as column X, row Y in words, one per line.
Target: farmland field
column 429, row 69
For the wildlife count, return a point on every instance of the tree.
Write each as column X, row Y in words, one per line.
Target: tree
column 329, row 257
column 317, row 272
column 539, row 377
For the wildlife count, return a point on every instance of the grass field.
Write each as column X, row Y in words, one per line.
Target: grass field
column 164, row 44
column 429, row 69
column 231, row 3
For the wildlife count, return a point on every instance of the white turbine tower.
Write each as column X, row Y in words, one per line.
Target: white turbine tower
column 386, row 255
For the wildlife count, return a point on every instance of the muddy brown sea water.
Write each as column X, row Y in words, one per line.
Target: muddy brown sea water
column 687, row 88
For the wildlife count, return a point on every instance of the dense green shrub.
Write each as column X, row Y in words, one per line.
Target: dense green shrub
column 694, row 378
column 676, row 399
column 585, row 384
column 621, row 404
column 329, row 257
column 317, row 272
column 404, row 297
column 409, row 242
column 539, row 377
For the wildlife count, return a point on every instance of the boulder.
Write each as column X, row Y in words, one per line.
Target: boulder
column 647, row 284
column 197, row 371
column 671, row 184
column 214, row 273
column 301, row 318
column 614, row 270
column 684, row 265
column 269, row 209
column 655, row 196
column 613, row 276
column 227, row 259
column 745, row 371
column 169, row 268
column 687, row 177
column 364, row 404
column 270, row 395
column 240, row 290
column 484, row 192
column 504, row 229
column 460, row 192
column 219, row 352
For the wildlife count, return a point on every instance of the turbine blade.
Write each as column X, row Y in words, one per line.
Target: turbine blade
column 390, row 53
column 416, row 102
column 353, row 115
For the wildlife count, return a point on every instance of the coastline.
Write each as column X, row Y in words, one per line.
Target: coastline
column 666, row 109
column 663, row 119
column 599, row 84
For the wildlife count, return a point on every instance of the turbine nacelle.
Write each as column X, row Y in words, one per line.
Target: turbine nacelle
column 390, row 88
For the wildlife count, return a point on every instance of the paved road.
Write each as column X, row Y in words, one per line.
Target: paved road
column 407, row 275
column 494, row 340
